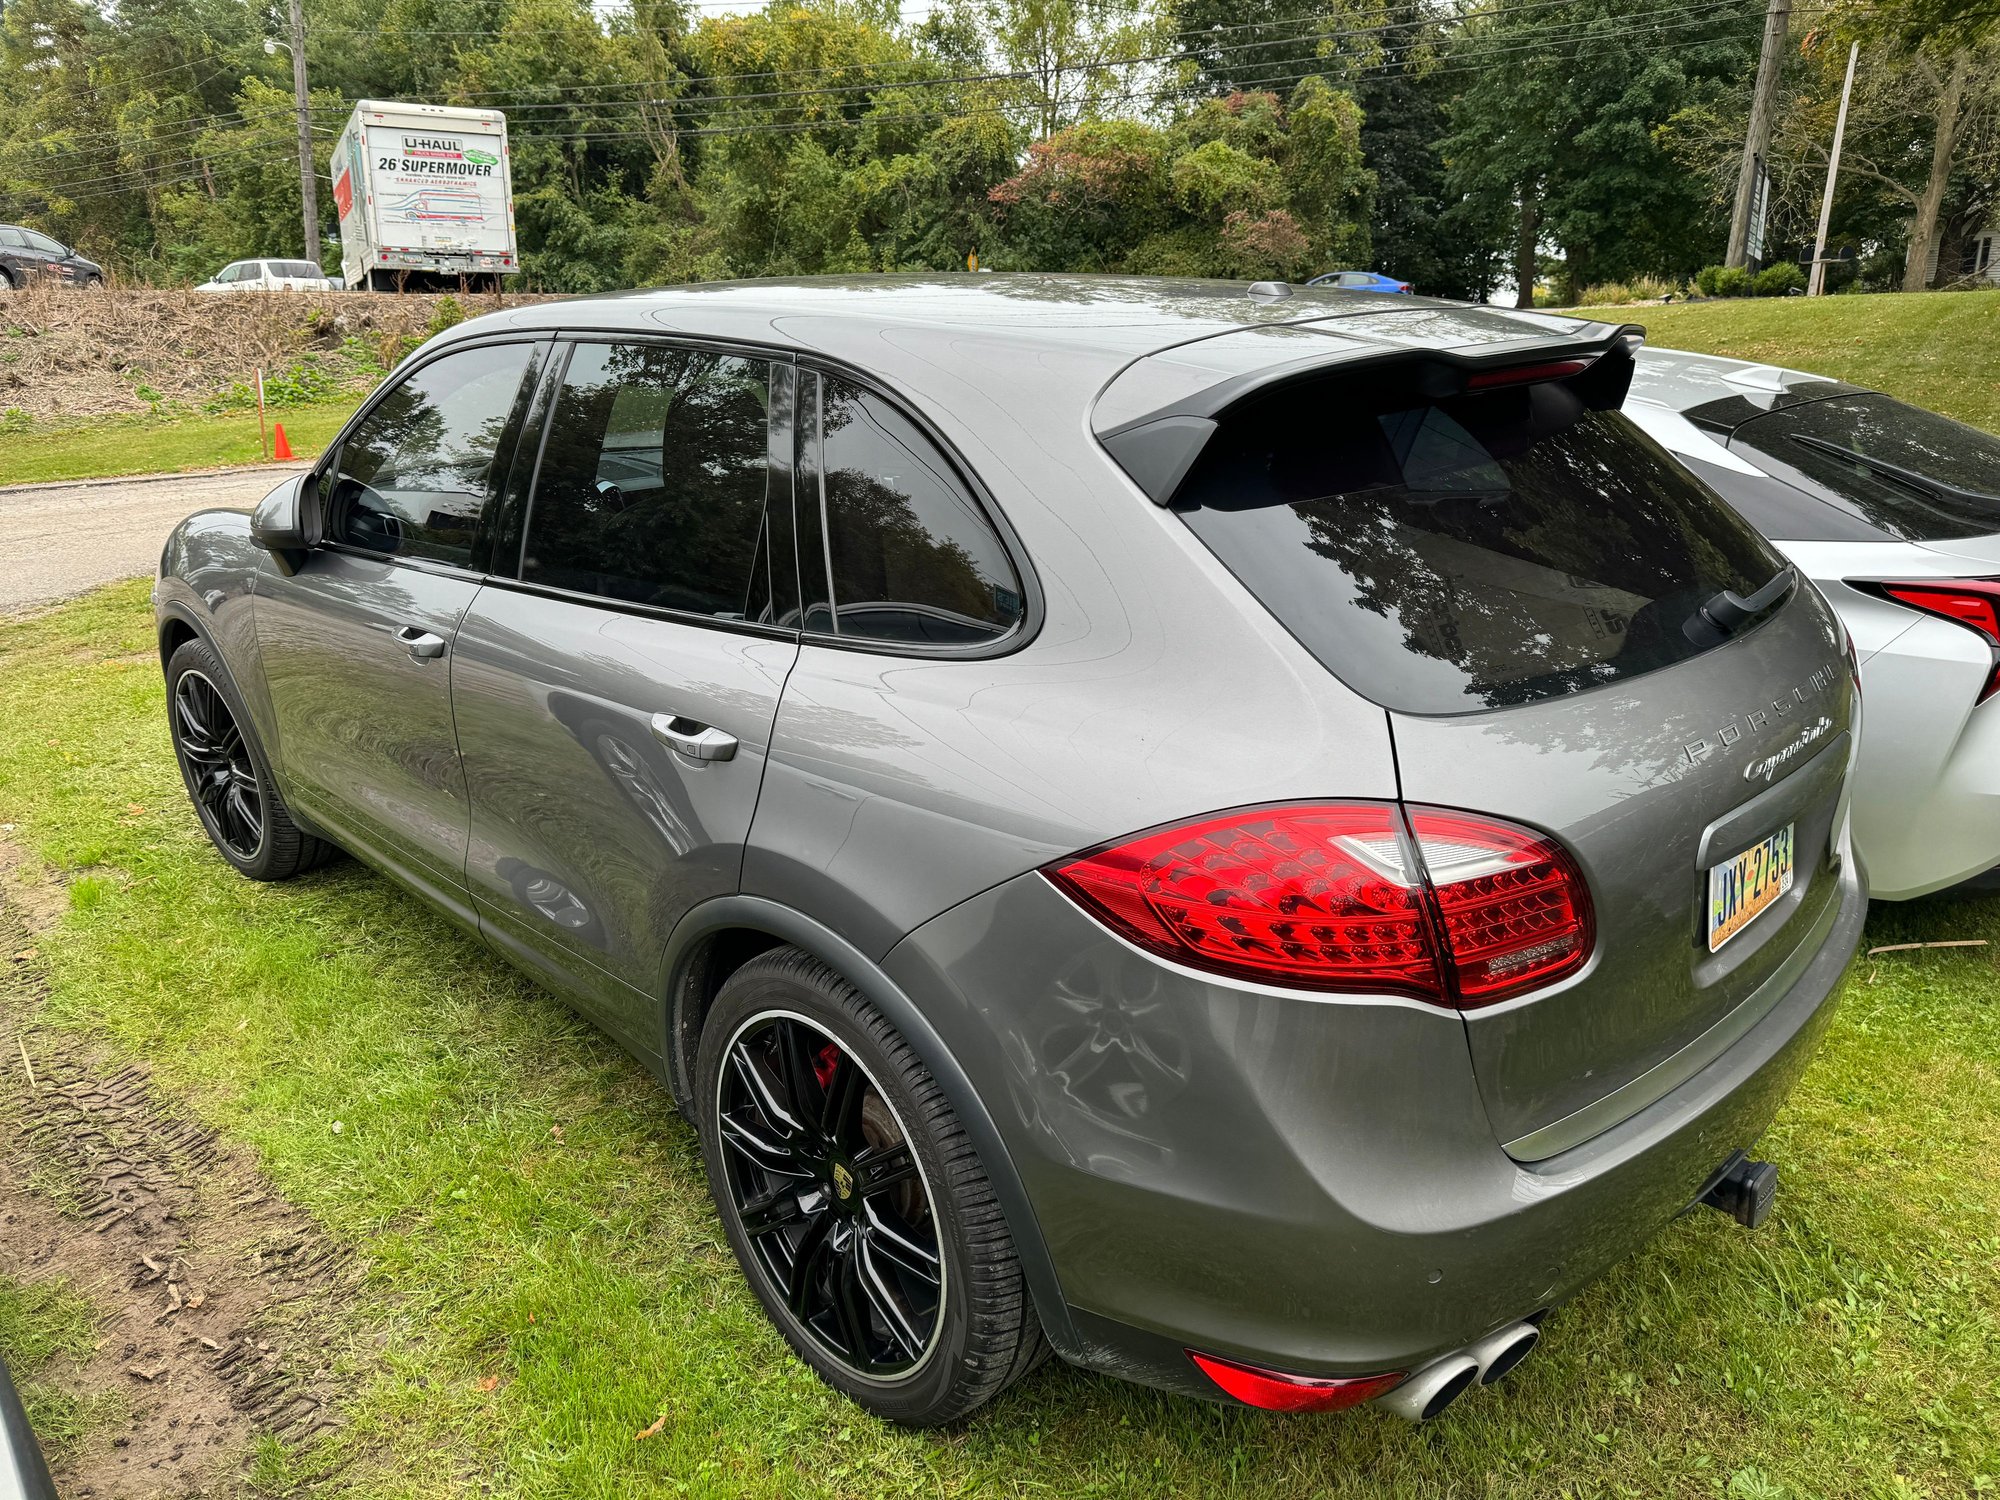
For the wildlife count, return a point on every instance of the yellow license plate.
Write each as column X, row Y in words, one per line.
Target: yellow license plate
column 1744, row 886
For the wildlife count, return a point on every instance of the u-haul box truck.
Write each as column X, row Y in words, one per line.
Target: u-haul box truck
column 426, row 198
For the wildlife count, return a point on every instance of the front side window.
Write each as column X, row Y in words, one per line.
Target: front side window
column 653, row 481
column 415, row 477
column 1480, row 552
column 230, row 273
column 43, row 243
column 909, row 555
column 1909, row 472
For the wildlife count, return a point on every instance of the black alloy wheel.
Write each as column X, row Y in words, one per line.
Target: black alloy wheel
column 829, row 1194
column 854, row 1199
column 215, row 759
column 227, row 775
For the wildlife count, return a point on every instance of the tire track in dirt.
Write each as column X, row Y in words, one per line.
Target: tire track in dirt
column 220, row 1301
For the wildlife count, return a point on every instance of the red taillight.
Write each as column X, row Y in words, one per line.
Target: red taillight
column 1515, row 909
column 1327, row 896
column 1273, row 1390
column 1971, row 602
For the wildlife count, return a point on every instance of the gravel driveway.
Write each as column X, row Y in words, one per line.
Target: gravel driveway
column 60, row 539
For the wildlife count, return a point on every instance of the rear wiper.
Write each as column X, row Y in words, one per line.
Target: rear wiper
column 1937, row 489
column 1721, row 615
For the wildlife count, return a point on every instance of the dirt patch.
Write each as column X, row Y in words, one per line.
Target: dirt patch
column 79, row 354
column 218, row 1296
column 33, row 892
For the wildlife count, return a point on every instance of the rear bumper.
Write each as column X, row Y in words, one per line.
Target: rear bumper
column 1303, row 1183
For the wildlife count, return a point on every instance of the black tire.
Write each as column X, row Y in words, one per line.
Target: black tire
column 982, row 1334
column 226, row 773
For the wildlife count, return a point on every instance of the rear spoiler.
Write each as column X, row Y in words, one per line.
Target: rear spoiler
column 1158, row 449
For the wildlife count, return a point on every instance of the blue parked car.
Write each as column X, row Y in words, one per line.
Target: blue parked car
column 1361, row 281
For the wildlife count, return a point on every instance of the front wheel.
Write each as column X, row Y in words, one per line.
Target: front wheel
column 226, row 774
column 854, row 1200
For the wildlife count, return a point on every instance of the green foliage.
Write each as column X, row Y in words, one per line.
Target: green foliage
column 1623, row 293
column 1243, row 186
column 1723, row 281
column 1779, row 280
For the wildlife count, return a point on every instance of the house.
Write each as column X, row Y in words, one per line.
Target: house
column 1975, row 255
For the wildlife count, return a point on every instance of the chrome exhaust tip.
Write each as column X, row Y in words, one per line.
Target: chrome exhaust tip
column 1431, row 1389
column 1503, row 1349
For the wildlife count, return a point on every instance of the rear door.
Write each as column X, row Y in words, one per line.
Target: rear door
column 614, row 703
column 1522, row 584
column 357, row 642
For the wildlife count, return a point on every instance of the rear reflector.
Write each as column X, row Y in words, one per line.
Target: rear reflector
column 1273, row 1390
column 1448, row 907
column 1971, row 602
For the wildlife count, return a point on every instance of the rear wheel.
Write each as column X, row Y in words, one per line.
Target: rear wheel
column 226, row 774
column 854, row 1200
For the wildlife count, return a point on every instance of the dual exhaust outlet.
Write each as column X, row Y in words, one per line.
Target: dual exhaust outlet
column 1441, row 1382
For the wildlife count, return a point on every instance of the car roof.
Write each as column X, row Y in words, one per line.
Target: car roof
column 1729, row 391
column 901, row 325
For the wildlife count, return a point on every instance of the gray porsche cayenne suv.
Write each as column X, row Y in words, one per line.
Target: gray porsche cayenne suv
column 1254, row 839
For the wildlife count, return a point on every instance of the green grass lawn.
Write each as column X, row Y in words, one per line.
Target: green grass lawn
column 42, row 1326
column 1934, row 349
column 143, row 445
column 535, row 1215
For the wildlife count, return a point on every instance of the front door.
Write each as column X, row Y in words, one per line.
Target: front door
column 357, row 643
column 614, row 705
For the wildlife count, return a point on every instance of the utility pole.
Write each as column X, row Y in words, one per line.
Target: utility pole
column 1816, row 283
column 308, row 183
column 1757, row 141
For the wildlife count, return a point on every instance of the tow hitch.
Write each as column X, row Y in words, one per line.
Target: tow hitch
column 1744, row 1190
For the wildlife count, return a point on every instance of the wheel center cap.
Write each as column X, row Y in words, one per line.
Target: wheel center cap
column 843, row 1181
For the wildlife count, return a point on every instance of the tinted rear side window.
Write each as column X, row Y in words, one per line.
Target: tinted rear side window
column 1479, row 553
column 1910, row 472
column 653, row 479
column 909, row 556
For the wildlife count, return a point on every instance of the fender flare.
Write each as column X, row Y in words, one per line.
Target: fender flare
column 800, row 931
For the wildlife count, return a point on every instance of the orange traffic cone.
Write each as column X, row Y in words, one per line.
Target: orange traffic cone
column 281, row 450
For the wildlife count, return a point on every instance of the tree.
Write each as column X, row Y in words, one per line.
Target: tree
column 1064, row 51
column 1420, row 229
column 1564, row 114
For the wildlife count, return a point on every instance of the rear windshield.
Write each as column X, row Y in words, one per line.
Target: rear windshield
column 1910, row 472
column 1483, row 552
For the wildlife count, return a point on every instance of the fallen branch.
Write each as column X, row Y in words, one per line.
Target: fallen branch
column 1912, row 947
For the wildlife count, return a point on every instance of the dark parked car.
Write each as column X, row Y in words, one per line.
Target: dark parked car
column 29, row 255
column 1257, row 839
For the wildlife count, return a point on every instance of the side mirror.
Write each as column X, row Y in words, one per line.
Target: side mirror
column 286, row 521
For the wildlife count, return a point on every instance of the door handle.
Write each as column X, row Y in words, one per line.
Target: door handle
column 694, row 740
column 423, row 645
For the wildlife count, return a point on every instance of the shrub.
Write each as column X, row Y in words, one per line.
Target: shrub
column 1723, row 281
column 1780, row 279
column 447, row 314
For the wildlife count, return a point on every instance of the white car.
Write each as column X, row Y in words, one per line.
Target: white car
column 1894, row 512
column 268, row 276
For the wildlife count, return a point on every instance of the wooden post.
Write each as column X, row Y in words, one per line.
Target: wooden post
column 1757, row 139
column 1816, row 283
